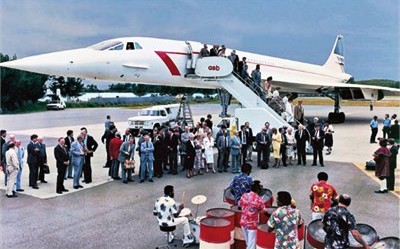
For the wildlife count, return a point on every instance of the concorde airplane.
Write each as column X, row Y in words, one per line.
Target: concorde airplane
column 177, row 63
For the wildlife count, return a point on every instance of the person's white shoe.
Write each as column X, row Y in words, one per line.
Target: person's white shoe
column 188, row 240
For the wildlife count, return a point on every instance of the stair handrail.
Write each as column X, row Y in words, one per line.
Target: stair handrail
column 258, row 89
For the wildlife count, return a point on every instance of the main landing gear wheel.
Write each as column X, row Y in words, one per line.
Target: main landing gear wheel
column 336, row 117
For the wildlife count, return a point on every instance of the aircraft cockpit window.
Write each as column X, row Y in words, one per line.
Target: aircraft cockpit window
column 137, row 46
column 129, row 46
column 118, row 47
column 108, row 45
column 133, row 46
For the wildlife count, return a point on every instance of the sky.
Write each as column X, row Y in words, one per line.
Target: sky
column 291, row 29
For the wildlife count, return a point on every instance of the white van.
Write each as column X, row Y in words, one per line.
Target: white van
column 153, row 117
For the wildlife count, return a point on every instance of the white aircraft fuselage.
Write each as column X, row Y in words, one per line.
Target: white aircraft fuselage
column 164, row 62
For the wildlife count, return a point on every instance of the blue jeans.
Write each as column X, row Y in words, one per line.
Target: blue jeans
column 145, row 163
column 18, row 183
column 235, row 163
column 115, row 166
column 77, row 172
column 125, row 172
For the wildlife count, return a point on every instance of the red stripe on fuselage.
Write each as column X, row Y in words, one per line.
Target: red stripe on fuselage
column 169, row 62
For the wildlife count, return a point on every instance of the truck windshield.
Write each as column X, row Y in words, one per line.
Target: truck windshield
column 149, row 113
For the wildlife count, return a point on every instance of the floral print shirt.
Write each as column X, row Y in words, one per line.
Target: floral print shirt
column 240, row 185
column 322, row 193
column 285, row 220
column 338, row 221
column 251, row 204
column 164, row 209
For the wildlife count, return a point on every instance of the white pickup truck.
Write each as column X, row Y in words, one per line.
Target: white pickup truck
column 153, row 117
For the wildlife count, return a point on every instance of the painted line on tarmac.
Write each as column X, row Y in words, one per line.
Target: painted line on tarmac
column 371, row 174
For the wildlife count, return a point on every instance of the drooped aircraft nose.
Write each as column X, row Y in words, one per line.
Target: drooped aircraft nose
column 57, row 63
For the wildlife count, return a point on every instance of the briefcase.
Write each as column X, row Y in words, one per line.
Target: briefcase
column 46, row 169
column 129, row 164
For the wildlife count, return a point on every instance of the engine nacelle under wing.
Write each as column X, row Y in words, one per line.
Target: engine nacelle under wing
column 360, row 94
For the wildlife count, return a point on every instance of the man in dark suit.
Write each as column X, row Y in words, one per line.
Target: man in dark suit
column 317, row 142
column 62, row 162
column 172, row 148
column 243, row 140
column 90, row 147
column 107, row 136
column 250, row 140
column 269, row 144
column 42, row 159
column 127, row 135
column 282, row 131
column 223, row 149
column 33, row 154
column 301, row 136
column 69, row 139
column 214, row 50
column 217, row 136
column 3, row 135
column 262, row 140
column 208, row 121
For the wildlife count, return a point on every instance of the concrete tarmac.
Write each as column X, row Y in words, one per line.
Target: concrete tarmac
column 109, row 214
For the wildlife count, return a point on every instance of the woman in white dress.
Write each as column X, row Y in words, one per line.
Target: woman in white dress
column 209, row 153
column 291, row 141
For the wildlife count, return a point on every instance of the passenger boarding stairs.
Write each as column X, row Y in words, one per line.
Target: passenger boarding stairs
column 242, row 90
column 249, row 96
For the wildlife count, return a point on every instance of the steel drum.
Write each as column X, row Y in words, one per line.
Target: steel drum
column 240, row 242
column 226, row 214
column 266, row 196
column 215, row 233
column 387, row 243
column 316, row 235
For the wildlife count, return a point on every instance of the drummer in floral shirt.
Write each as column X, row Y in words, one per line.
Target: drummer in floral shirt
column 251, row 205
column 285, row 221
column 321, row 195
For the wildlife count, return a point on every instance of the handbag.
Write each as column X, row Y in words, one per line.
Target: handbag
column 46, row 168
column 129, row 164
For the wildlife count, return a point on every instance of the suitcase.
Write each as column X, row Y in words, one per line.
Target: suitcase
column 370, row 165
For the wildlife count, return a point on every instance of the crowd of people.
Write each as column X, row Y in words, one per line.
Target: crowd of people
column 72, row 157
column 173, row 149
column 12, row 162
column 390, row 128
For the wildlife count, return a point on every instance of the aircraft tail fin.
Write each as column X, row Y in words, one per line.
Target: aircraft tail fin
column 335, row 61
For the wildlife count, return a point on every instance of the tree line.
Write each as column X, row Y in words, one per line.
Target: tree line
column 21, row 88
